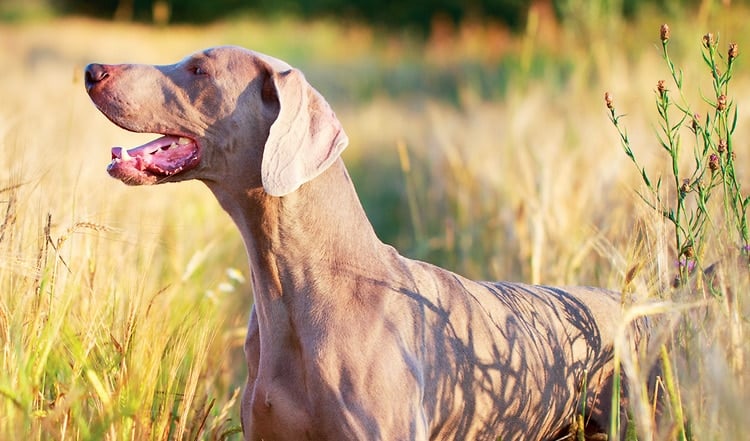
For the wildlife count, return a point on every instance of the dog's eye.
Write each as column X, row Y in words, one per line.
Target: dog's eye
column 197, row 70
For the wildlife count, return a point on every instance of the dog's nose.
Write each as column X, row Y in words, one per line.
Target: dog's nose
column 95, row 74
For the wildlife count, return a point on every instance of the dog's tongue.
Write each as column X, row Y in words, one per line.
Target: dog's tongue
column 164, row 156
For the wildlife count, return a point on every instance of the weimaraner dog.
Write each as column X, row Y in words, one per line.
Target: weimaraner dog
column 348, row 340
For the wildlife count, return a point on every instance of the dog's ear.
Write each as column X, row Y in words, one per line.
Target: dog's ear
column 305, row 138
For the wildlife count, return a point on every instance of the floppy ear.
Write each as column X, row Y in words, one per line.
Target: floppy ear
column 304, row 140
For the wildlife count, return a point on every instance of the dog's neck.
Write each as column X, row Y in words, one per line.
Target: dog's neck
column 295, row 243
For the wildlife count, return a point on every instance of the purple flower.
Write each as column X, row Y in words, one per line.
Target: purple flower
column 687, row 264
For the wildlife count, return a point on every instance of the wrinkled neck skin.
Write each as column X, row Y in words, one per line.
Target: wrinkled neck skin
column 291, row 244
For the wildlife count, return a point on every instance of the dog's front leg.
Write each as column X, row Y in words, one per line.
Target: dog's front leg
column 252, row 356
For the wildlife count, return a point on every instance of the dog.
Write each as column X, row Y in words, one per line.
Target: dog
column 347, row 339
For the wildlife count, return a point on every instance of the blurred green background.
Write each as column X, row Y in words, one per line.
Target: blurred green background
column 393, row 14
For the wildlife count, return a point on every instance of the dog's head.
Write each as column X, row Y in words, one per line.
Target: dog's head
column 225, row 113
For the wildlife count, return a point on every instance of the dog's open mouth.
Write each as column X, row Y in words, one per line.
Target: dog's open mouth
column 154, row 161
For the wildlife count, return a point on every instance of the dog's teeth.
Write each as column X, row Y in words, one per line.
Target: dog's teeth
column 183, row 141
column 173, row 145
column 124, row 155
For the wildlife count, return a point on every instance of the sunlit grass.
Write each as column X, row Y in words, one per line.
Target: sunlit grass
column 119, row 320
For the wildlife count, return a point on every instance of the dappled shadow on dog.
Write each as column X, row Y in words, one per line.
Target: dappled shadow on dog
column 513, row 357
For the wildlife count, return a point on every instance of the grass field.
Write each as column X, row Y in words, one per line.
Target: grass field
column 123, row 310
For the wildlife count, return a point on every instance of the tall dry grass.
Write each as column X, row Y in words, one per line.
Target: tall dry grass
column 116, row 317
column 122, row 310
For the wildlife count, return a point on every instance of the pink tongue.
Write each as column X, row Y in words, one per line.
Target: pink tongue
column 146, row 149
column 159, row 155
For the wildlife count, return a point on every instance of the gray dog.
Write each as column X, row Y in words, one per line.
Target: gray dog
column 347, row 339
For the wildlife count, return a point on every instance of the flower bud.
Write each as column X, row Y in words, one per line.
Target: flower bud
column 722, row 146
column 609, row 100
column 713, row 162
column 696, row 123
column 734, row 50
column 688, row 251
column 708, row 40
column 721, row 103
column 661, row 88
column 665, row 34
column 685, row 187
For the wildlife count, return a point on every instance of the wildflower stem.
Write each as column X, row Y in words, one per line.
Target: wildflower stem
column 713, row 154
